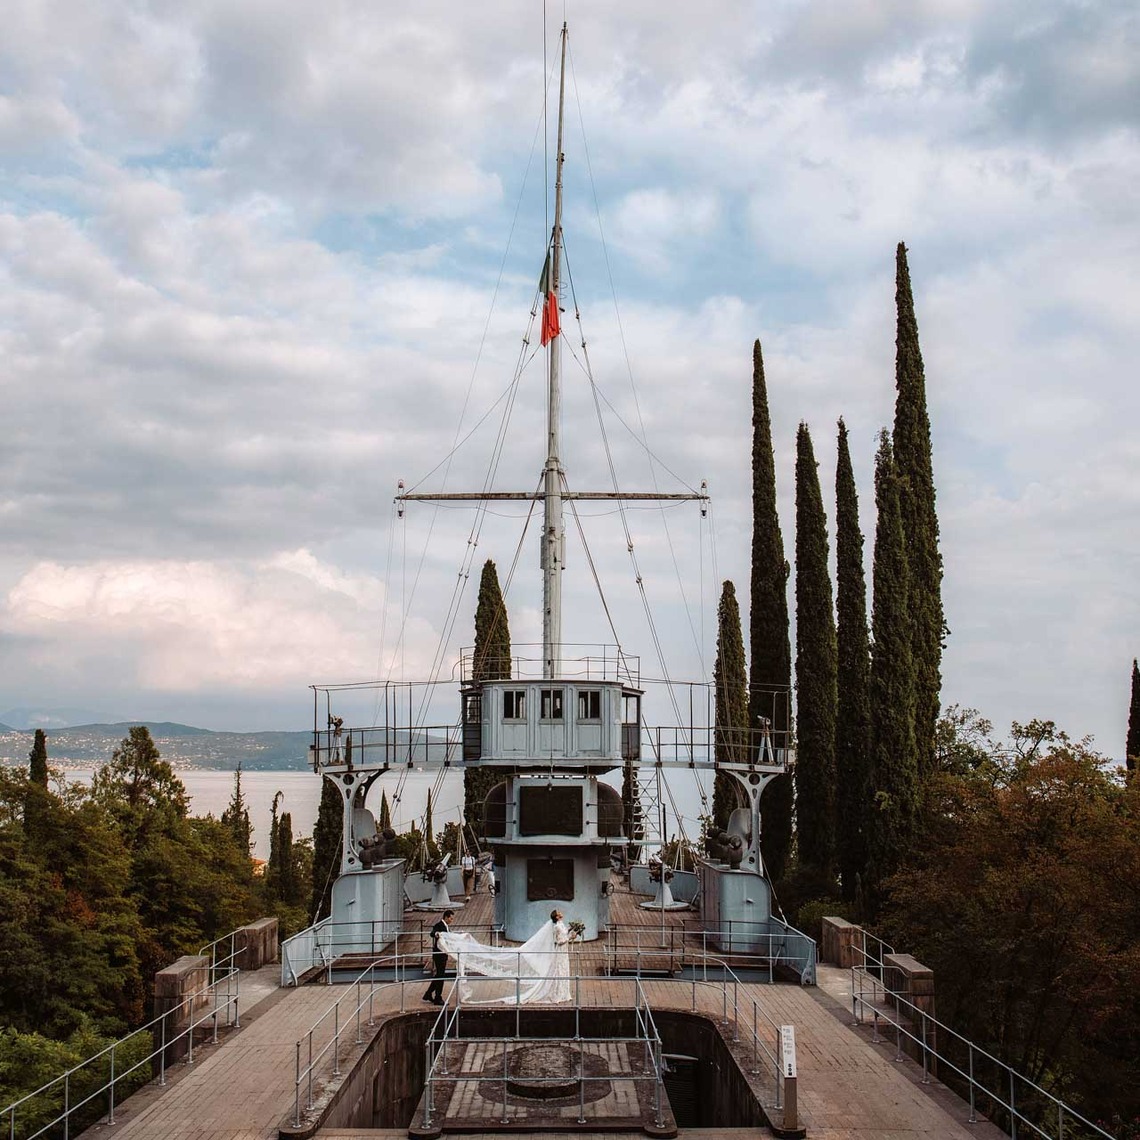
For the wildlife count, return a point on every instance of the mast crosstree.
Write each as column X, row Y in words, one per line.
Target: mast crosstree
column 553, row 494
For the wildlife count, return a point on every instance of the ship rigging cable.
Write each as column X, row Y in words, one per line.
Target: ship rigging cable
column 406, row 600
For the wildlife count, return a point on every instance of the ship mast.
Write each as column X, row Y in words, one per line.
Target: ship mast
column 554, row 493
column 553, row 536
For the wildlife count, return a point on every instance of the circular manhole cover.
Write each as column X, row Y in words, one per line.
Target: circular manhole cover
column 549, row 1073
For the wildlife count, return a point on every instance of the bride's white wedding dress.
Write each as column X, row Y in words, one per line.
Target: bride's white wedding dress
column 536, row 972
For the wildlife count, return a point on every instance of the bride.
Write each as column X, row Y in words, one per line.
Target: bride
column 536, row 972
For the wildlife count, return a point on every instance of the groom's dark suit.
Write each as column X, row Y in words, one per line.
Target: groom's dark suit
column 438, row 962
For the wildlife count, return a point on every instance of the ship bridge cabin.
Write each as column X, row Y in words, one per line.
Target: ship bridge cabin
column 584, row 725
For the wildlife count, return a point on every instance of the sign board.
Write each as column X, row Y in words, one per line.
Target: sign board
column 788, row 1050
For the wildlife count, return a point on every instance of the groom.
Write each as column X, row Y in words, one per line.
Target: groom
column 438, row 959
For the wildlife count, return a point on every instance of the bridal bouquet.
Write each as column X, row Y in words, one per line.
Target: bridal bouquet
column 577, row 929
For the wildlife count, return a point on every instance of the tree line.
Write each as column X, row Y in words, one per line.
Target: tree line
column 102, row 887
column 1009, row 868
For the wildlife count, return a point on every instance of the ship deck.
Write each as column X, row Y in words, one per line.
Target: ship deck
column 849, row 1087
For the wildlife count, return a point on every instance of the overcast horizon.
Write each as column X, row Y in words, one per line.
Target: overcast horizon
column 248, row 255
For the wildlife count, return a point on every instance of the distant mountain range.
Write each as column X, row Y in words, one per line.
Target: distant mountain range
column 88, row 745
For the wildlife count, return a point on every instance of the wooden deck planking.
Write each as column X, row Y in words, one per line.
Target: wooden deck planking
column 849, row 1089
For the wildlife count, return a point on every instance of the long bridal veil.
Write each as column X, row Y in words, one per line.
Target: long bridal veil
column 536, row 972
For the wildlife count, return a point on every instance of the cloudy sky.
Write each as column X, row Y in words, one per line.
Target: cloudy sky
column 259, row 261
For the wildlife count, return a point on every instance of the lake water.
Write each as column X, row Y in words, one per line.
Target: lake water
column 210, row 793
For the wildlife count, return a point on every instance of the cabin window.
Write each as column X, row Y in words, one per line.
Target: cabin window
column 550, row 701
column 589, row 704
column 514, row 704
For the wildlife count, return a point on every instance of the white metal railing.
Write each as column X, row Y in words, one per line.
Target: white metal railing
column 355, row 1011
column 686, row 949
column 933, row 1041
column 583, row 661
column 326, row 941
column 71, row 1092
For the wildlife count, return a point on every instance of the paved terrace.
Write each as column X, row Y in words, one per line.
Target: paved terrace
column 849, row 1088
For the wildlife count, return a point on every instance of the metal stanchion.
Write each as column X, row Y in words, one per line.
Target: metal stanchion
column 506, row 1118
column 581, row 1084
column 111, row 1091
column 297, row 1088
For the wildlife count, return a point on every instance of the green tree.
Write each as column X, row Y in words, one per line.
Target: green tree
column 770, row 651
column 286, row 870
column 69, row 930
column 815, row 671
column 328, row 835
column 914, row 465
column 492, row 657
column 236, row 815
column 894, row 769
column 174, row 876
column 140, row 788
column 491, row 662
column 38, row 760
column 1132, row 743
column 730, row 681
column 34, row 803
column 385, row 811
column 1022, row 899
column 853, row 678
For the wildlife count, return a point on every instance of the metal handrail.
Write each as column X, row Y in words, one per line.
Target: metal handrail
column 436, row 1052
column 884, row 948
column 931, row 1029
column 680, row 947
column 117, row 1078
column 378, row 940
column 355, row 1015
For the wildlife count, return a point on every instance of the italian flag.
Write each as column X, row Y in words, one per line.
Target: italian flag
column 550, row 325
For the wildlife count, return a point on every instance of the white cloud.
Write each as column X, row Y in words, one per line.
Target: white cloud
column 195, row 626
column 246, row 255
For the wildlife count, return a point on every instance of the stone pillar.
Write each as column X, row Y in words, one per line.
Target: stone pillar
column 842, row 943
column 914, row 983
column 256, row 945
column 179, row 991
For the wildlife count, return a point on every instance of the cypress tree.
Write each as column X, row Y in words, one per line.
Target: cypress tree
column 770, row 651
column 492, row 658
column 730, row 680
column 429, row 826
column 273, row 865
column 852, row 730
column 36, row 797
column 894, row 768
column 286, row 878
column 491, row 662
column 815, row 671
column 236, row 815
column 38, row 760
column 327, row 837
column 913, row 463
column 385, row 811
column 1132, row 744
